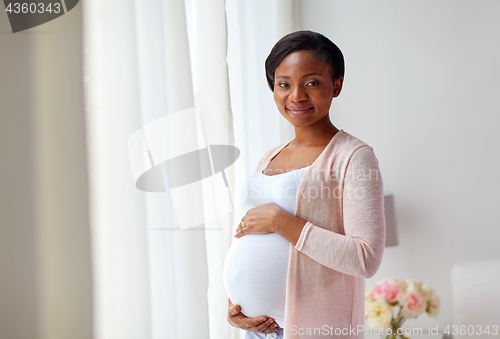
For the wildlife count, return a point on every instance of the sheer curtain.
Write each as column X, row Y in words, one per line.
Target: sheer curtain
column 161, row 66
column 150, row 277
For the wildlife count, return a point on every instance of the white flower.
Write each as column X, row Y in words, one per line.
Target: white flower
column 401, row 284
column 378, row 314
column 434, row 304
column 369, row 296
column 426, row 292
column 414, row 285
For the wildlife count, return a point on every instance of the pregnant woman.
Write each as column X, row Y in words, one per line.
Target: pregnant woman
column 313, row 224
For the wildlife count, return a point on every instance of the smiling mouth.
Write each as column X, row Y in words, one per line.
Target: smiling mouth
column 299, row 110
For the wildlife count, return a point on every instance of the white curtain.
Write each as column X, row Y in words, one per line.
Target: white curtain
column 150, row 277
column 165, row 61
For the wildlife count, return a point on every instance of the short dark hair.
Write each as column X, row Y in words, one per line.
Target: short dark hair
column 317, row 44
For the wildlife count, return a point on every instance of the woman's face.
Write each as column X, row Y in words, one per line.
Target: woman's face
column 304, row 89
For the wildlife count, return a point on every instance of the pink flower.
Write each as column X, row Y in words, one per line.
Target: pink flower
column 413, row 304
column 387, row 291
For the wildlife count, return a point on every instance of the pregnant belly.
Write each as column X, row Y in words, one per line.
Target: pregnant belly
column 255, row 274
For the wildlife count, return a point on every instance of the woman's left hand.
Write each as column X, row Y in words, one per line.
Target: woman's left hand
column 260, row 219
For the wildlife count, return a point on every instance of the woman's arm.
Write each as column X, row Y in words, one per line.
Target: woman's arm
column 358, row 252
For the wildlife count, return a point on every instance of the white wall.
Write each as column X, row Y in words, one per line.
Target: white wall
column 45, row 269
column 421, row 88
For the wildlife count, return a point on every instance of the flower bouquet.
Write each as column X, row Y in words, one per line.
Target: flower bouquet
column 392, row 301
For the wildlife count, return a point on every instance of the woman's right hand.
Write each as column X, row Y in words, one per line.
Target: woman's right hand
column 259, row 324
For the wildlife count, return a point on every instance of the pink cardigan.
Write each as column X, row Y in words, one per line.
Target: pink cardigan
column 342, row 243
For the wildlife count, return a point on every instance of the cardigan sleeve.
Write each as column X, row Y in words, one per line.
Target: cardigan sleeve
column 358, row 252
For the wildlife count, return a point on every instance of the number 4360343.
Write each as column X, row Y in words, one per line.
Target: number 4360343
column 471, row 330
column 33, row 8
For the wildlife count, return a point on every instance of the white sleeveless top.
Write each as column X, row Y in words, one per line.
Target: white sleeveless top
column 256, row 266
